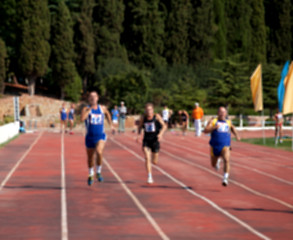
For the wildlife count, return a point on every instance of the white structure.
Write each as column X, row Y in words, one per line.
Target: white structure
column 8, row 131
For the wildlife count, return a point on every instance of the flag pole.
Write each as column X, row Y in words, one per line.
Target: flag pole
column 292, row 131
column 263, row 128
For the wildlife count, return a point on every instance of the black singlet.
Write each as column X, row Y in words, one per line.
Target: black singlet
column 151, row 128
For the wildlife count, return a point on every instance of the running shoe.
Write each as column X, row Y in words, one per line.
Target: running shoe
column 225, row 182
column 150, row 180
column 90, row 180
column 99, row 177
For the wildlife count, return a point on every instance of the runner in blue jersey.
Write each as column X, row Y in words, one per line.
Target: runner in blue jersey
column 220, row 129
column 71, row 117
column 94, row 116
column 115, row 115
column 63, row 117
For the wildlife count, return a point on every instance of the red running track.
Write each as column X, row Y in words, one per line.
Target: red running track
column 187, row 200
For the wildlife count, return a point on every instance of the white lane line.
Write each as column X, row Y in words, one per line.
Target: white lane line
column 236, row 164
column 138, row 203
column 256, row 150
column 3, row 183
column 230, row 180
column 211, row 203
column 64, row 225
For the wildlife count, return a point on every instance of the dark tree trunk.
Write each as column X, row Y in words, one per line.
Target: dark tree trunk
column 84, row 84
column 62, row 93
column 32, row 85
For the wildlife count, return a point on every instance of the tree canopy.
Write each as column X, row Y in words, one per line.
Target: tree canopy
column 171, row 52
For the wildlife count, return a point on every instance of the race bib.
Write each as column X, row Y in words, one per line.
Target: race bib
column 223, row 127
column 96, row 119
column 150, row 127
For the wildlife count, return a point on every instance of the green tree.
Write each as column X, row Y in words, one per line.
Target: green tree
column 270, row 81
column 177, row 24
column 8, row 27
column 34, row 48
column 63, row 56
column 220, row 31
column 238, row 14
column 84, row 42
column 108, row 17
column 230, row 84
column 201, row 32
column 257, row 49
column 3, row 56
column 144, row 32
column 278, row 20
column 128, row 84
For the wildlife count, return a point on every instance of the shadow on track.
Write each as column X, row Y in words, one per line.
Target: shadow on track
column 262, row 210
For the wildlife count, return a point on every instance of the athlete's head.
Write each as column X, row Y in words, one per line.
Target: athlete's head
column 122, row 103
column 93, row 98
column 63, row 105
column 222, row 113
column 165, row 106
column 149, row 109
column 196, row 104
column 72, row 105
column 179, row 112
column 115, row 107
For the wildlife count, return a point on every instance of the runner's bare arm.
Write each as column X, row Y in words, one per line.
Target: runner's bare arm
column 209, row 128
column 139, row 127
column 108, row 116
column 186, row 114
column 234, row 131
column 84, row 113
column 164, row 127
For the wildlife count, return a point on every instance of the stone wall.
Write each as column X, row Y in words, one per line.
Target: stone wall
column 43, row 110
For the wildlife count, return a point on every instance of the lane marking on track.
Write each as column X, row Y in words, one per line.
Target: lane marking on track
column 208, row 201
column 64, row 224
column 256, row 150
column 233, row 163
column 137, row 203
column 8, row 176
column 230, row 180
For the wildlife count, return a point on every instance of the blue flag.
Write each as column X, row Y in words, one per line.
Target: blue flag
column 281, row 87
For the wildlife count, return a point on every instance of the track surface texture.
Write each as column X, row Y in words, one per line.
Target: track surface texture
column 44, row 192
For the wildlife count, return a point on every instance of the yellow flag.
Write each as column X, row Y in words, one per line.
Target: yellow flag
column 256, row 88
column 288, row 97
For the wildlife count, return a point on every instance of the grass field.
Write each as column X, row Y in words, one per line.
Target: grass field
column 270, row 142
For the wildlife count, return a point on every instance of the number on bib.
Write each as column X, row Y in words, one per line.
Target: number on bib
column 96, row 119
column 150, row 127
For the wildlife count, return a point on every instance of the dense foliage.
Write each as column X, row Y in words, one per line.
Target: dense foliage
column 171, row 52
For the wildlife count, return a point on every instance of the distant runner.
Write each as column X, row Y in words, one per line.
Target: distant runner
column 71, row 117
column 184, row 117
column 220, row 129
column 115, row 115
column 94, row 116
column 278, row 127
column 154, row 129
column 63, row 118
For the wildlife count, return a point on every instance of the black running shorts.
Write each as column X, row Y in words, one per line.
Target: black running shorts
column 153, row 145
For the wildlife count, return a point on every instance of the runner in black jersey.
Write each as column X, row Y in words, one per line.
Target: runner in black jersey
column 154, row 129
column 184, row 118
